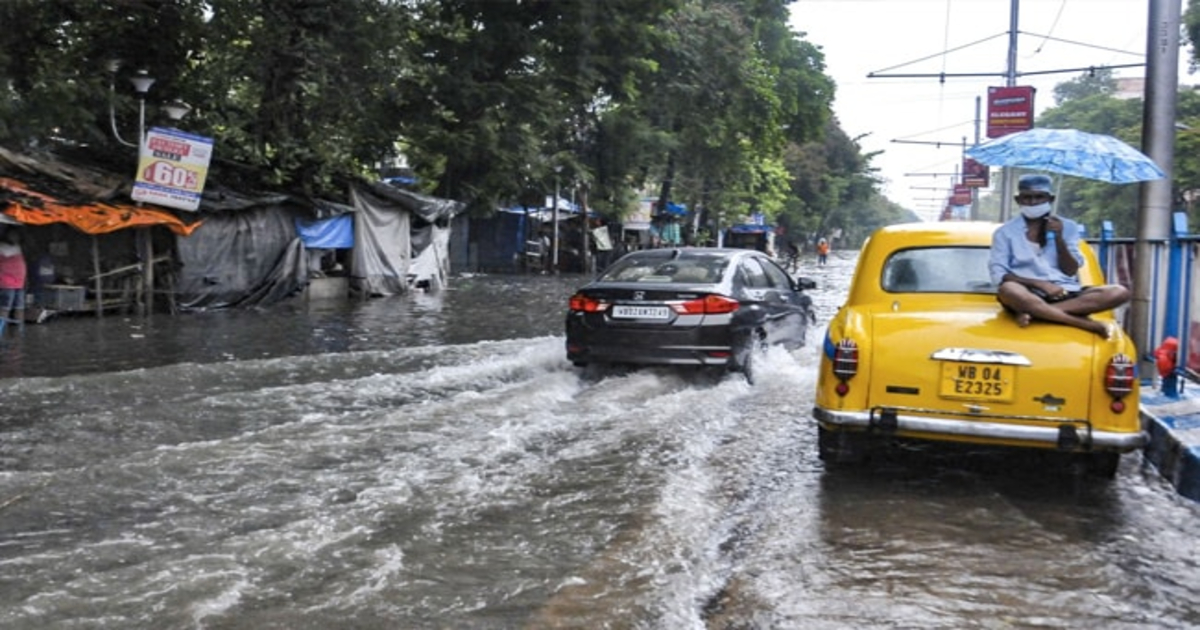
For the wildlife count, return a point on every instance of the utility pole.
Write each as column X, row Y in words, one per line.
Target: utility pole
column 1007, row 175
column 975, row 192
column 1155, row 200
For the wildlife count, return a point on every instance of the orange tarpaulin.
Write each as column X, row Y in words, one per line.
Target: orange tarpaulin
column 93, row 218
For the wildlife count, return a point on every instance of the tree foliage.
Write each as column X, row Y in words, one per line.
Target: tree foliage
column 1094, row 83
column 717, row 104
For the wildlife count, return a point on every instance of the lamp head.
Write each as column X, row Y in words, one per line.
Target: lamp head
column 176, row 110
column 141, row 81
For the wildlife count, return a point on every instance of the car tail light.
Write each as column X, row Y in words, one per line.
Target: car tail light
column 584, row 304
column 845, row 359
column 845, row 364
column 707, row 305
column 1119, row 377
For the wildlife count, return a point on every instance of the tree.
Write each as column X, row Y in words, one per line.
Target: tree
column 54, row 65
column 487, row 99
column 1098, row 82
column 507, row 91
column 306, row 85
column 733, row 83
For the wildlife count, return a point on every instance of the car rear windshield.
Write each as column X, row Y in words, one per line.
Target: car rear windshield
column 685, row 269
column 938, row 270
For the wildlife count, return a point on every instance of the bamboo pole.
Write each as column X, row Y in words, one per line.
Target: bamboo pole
column 147, row 271
column 99, row 291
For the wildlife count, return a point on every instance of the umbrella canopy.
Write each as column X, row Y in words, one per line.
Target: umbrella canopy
column 1070, row 152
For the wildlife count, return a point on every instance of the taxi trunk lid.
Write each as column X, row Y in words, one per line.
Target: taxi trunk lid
column 980, row 363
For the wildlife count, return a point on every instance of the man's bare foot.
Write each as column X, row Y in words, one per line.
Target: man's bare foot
column 1104, row 329
column 1024, row 319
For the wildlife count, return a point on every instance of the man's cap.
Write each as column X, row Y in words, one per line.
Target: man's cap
column 1035, row 184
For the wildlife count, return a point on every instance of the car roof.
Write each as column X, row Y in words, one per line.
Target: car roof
column 692, row 252
column 893, row 237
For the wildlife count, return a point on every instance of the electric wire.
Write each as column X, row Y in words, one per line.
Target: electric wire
column 1053, row 25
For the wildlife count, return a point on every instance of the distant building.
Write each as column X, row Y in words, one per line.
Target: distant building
column 1135, row 87
column 1130, row 87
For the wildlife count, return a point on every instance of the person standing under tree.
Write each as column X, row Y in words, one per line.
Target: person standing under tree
column 822, row 251
column 792, row 263
column 671, row 236
column 12, row 280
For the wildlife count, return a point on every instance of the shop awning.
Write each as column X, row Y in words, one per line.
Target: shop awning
column 33, row 208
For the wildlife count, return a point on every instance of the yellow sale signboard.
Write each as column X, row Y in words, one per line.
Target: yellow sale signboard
column 172, row 166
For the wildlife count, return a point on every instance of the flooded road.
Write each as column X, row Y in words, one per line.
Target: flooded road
column 434, row 462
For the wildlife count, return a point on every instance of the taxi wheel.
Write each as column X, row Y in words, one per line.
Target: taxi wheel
column 841, row 448
column 1103, row 465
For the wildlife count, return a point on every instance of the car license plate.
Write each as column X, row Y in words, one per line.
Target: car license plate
column 624, row 311
column 977, row 381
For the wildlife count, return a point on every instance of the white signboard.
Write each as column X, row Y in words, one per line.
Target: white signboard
column 172, row 166
column 640, row 219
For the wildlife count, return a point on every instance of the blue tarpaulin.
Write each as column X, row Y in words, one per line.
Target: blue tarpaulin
column 676, row 209
column 332, row 233
column 751, row 228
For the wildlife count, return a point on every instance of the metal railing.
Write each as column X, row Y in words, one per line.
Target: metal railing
column 1174, row 266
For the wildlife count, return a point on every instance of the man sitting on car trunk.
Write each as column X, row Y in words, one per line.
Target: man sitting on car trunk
column 1035, row 260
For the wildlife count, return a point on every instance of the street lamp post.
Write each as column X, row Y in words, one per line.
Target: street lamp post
column 175, row 110
column 141, row 81
column 554, row 222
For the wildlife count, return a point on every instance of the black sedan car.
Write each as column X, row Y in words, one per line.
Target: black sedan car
column 687, row 306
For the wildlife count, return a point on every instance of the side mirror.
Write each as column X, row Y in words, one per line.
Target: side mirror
column 803, row 284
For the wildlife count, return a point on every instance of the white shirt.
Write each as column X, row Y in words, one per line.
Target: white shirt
column 1013, row 253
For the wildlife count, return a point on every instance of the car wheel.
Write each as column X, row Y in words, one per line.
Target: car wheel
column 747, row 353
column 592, row 372
column 841, row 448
column 1103, row 465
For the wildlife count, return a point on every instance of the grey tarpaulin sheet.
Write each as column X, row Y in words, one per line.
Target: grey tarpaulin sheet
column 381, row 246
column 402, row 239
column 251, row 255
column 247, row 258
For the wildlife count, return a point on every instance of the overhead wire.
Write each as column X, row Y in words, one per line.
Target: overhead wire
column 1053, row 25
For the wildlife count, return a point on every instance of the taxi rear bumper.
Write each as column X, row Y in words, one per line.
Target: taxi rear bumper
column 1059, row 433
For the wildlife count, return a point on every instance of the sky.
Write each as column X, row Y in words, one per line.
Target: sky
column 898, row 116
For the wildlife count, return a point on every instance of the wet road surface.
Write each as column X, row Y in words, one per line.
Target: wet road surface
column 434, row 462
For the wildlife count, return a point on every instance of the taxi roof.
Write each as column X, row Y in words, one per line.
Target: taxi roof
column 935, row 233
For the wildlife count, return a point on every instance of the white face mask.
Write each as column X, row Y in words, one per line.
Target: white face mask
column 1035, row 212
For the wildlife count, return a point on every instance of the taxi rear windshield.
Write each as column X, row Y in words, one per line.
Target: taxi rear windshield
column 938, row 270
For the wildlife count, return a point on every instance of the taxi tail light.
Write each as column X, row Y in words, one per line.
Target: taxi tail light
column 845, row 364
column 707, row 305
column 1119, row 377
column 581, row 303
column 845, row 359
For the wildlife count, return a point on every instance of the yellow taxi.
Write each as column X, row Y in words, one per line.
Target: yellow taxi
column 922, row 350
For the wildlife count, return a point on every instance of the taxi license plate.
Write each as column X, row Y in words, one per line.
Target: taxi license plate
column 976, row 381
column 624, row 311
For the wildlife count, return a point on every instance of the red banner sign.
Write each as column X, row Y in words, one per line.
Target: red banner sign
column 961, row 196
column 1010, row 109
column 975, row 175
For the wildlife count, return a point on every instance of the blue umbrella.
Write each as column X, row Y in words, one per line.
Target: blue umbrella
column 1070, row 152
